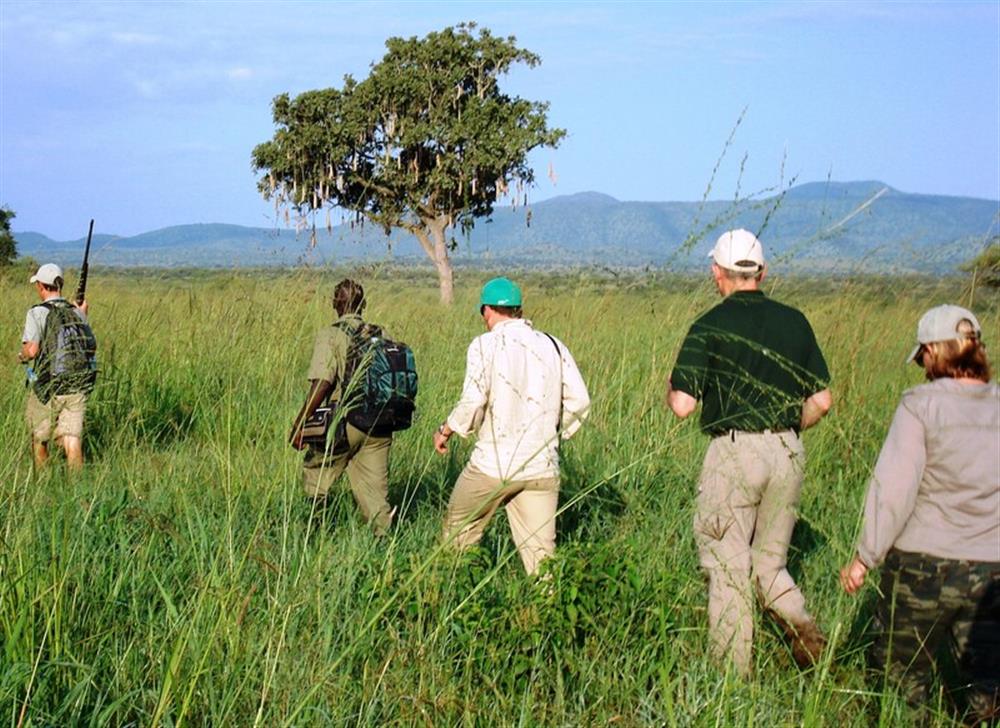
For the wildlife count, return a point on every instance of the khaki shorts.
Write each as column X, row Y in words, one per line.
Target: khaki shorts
column 61, row 416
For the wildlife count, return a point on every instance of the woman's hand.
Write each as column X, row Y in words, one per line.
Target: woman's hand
column 852, row 576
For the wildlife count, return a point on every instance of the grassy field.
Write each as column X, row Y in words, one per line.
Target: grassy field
column 182, row 579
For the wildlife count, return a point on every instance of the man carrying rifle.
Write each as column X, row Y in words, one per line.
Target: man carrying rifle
column 59, row 347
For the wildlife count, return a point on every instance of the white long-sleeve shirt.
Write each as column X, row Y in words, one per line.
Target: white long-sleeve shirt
column 516, row 384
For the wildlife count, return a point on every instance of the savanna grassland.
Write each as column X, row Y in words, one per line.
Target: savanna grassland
column 183, row 579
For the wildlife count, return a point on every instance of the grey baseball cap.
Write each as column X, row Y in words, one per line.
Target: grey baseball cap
column 941, row 324
column 47, row 274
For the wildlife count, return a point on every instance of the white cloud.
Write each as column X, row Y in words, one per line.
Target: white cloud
column 240, row 73
column 147, row 88
column 132, row 38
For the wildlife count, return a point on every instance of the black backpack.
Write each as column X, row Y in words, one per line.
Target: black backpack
column 67, row 353
column 380, row 381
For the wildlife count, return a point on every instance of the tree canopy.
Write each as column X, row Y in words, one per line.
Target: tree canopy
column 427, row 142
column 8, row 246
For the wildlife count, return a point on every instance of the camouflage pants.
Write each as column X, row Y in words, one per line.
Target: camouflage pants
column 928, row 603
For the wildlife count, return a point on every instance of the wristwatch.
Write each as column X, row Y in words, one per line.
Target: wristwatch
column 441, row 428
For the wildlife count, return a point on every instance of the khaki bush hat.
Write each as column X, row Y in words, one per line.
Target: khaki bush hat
column 738, row 250
column 941, row 324
column 47, row 274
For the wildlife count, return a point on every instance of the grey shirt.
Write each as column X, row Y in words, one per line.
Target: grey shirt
column 936, row 485
column 34, row 322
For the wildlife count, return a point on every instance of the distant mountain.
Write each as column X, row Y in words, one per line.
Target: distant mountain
column 814, row 226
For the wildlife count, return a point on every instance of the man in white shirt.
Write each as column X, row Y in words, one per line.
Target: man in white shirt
column 522, row 394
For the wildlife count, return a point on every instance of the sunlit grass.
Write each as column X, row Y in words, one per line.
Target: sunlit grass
column 182, row 579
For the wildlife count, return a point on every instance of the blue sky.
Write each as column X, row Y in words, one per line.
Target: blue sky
column 143, row 114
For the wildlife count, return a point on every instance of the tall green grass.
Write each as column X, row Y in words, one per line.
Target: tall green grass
column 183, row 579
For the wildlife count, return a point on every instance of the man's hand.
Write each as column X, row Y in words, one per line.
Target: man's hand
column 441, row 436
column 83, row 307
column 852, row 576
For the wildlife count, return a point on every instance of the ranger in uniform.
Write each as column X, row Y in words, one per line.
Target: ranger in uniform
column 365, row 456
column 756, row 367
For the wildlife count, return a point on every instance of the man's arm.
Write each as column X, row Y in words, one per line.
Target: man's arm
column 575, row 397
column 475, row 394
column 814, row 408
column 680, row 403
column 29, row 350
column 318, row 390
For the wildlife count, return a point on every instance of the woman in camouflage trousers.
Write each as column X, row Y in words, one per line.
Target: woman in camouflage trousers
column 931, row 520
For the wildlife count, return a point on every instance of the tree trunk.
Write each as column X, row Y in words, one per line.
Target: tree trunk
column 432, row 240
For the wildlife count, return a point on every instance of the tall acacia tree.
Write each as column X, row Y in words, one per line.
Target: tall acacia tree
column 427, row 143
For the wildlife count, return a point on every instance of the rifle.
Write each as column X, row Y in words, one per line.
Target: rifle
column 81, row 288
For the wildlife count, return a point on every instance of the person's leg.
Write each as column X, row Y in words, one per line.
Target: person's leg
column 39, row 420
column 73, row 447
column 776, row 518
column 473, row 502
column 320, row 471
column 909, row 624
column 368, row 472
column 69, row 411
column 976, row 635
column 723, row 525
column 532, row 517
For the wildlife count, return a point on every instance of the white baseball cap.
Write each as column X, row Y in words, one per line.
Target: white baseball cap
column 941, row 324
column 47, row 274
column 738, row 250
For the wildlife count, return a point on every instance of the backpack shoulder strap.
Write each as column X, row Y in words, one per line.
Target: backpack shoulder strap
column 559, row 354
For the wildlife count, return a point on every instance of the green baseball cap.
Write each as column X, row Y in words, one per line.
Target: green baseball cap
column 500, row 292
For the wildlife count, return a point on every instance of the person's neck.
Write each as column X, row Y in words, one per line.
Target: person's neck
column 497, row 320
column 49, row 295
column 731, row 287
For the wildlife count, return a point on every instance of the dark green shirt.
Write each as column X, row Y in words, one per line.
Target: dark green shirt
column 752, row 362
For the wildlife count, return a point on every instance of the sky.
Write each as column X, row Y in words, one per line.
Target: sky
column 144, row 114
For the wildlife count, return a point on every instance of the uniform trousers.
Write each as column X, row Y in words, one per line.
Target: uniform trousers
column 748, row 493
column 366, row 460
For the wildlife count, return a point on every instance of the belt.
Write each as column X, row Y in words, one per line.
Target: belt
column 731, row 434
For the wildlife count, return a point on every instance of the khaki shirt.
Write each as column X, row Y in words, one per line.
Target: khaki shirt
column 329, row 357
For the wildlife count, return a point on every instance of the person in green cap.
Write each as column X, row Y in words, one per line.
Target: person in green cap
column 522, row 393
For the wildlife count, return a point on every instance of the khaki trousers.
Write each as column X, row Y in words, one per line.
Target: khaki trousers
column 367, row 464
column 531, row 511
column 746, row 511
column 61, row 416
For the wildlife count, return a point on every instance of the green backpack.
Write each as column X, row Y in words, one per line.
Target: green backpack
column 67, row 353
column 380, row 381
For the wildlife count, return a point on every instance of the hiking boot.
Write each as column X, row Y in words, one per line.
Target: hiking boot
column 808, row 640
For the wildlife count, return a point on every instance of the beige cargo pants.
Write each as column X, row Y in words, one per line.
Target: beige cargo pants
column 748, row 493
column 531, row 511
column 367, row 464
